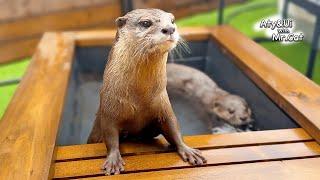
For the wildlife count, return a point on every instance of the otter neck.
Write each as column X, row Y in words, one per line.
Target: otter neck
column 145, row 73
column 151, row 68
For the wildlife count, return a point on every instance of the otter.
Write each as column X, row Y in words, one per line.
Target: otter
column 195, row 84
column 133, row 98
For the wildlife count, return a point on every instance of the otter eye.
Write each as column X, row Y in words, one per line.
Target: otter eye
column 145, row 24
column 172, row 21
column 231, row 111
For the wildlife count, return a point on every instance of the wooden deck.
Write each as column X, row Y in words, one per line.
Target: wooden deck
column 287, row 153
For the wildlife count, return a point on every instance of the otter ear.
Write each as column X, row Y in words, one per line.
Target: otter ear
column 216, row 107
column 121, row 21
column 221, row 111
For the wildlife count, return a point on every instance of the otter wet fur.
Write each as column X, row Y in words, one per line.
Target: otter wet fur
column 133, row 98
column 197, row 85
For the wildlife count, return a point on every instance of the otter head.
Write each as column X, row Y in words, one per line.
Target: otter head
column 232, row 109
column 148, row 31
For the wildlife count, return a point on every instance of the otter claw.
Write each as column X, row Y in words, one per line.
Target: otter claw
column 193, row 156
column 113, row 164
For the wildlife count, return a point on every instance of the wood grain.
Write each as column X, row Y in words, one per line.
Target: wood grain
column 35, row 26
column 289, row 169
column 199, row 141
column 106, row 37
column 16, row 50
column 27, row 8
column 292, row 91
column 152, row 162
column 182, row 8
column 30, row 123
column 18, row 39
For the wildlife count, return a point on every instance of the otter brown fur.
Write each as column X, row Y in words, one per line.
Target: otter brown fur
column 197, row 85
column 133, row 97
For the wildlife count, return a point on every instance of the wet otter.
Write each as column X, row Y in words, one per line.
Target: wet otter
column 133, row 97
column 197, row 85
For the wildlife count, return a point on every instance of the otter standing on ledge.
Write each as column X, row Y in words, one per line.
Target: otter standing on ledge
column 133, row 98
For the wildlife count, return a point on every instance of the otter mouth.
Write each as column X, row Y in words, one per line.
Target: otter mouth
column 168, row 44
column 171, row 39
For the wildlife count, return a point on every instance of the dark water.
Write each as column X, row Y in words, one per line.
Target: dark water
column 82, row 100
column 79, row 117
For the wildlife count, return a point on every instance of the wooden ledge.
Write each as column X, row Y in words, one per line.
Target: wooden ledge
column 232, row 149
column 285, row 169
column 84, row 151
column 30, row 123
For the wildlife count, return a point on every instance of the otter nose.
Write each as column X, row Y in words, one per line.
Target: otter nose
column 168, row 31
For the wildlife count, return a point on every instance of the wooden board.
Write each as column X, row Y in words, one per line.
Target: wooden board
column 27, row 8
column 35, row 26
column 200, row 141
column 18, row 39
column 17, row 50
column 182, row 8
column 30, row 123
column 155, row 162
column 289, row 169
column 292, row 91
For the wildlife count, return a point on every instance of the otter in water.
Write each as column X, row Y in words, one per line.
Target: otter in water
column 195, row 84
column 133, row 97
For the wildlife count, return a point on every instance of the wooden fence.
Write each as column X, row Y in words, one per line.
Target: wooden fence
column 22, row 22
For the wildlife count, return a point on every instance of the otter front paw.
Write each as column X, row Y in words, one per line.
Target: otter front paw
column 114, row 164
column 193, row 156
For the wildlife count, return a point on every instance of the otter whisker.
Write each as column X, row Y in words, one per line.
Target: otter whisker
column 171, row 56
column 181, row 48
column 183, row 44
column 177, row 52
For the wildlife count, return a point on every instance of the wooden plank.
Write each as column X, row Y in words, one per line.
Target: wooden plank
column 16, row 9
column 35, row 26
column 292, row 91
column 94, row 38
column 63, row 5
column 17, row 50
column 288, row 169
column 152, row 162
column 30, row 123
column 199, row 141
column 303, row 168
column 106, row 37
column 182, row 8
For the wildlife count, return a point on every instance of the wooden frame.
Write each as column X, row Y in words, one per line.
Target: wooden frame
column 30, row 124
